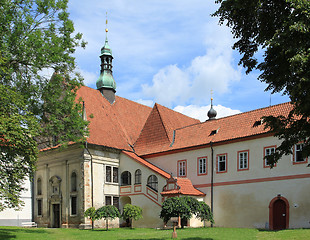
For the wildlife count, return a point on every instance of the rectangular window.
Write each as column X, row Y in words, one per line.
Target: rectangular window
column 115, row 174
column 116, row 202
column 39, row 201
column 268, row 151
column 112, row 200
column 109, row 177
column 108, row 200
column 221, row 163
column 108, row 174
column 297, row 156
column 182, row 168
column 243, row 160
column 73, row 205
column 202, row 165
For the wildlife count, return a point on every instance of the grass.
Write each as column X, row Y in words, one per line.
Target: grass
column 8, row 233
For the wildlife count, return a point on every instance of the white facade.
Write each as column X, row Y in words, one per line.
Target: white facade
column 11, row 217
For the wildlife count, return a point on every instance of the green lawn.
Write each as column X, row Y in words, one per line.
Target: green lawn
column 142, row 233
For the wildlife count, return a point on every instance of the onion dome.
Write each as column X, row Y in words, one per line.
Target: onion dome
column 212, row 113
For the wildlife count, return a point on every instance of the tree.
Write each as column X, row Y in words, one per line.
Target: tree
column 282, row 29
column 184, row 207
column 18, row 148
column 174, row 207
column 131, row 212
column 204, row 213
column 107, row 212
column 91, row 214
column 35, row 35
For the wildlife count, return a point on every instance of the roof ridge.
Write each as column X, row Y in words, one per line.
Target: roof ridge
column 254, row 110
column 162, row 121
column 176, row 112
column 230, row 116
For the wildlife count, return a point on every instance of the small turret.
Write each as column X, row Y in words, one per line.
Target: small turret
column 106, row 83
column 212, row 113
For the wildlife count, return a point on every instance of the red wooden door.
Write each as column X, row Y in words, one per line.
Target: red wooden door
column 279, row 215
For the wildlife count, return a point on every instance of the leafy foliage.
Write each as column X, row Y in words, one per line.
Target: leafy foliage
column 185, row 207
column 175, row 207
column 132, row 212
column 35, row 37
column 91, row 214
column 204, row 213
column 282, row 29
column 107, row 212
column 17, row 147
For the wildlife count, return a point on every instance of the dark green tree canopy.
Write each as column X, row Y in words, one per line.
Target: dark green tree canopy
column 35, row 36
column 185, row 207
column 107, row 212
column 282, row 30
column 132, row 212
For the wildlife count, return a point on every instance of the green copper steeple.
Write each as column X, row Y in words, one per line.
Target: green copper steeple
column 106, row 83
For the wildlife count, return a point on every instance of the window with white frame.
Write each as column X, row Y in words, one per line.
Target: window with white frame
column 112, row 200
column 221, row 163
column 202, row 166
column 298, row 153
column 138, row 176
column 268, row 151
column 243, row 160
column 182, row 168
column 152, row 182
column 111, row 174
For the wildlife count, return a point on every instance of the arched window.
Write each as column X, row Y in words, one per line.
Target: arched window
column 138, row 176
column 39, row 186
column 152, row 182
column 126, row 178
column 73, row 182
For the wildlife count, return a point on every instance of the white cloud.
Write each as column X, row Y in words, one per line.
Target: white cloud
column 174, row 85
column 170, row 85
column 89, row 77
column 148, row 103
column 200, row 112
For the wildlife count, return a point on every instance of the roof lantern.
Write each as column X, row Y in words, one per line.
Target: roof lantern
column 212, row 113
column 106, row 83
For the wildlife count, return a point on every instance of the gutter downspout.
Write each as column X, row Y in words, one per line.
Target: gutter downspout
column 212, row 170
column 91, row 166
column 91, row 179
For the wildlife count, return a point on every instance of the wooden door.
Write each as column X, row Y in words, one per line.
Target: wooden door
column 56, row 213
column 279, row 215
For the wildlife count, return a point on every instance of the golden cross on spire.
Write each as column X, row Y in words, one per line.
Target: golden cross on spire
column 211, row 94
column 106, row 22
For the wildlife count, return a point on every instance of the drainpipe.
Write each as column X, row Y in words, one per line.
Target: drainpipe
column 91, row 165
column 212, row 170
column 91, row 179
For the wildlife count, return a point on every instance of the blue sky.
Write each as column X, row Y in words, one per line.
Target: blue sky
column 170, row 52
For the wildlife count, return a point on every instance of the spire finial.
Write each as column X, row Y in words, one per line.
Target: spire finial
column 212, row 113
column 106, row 23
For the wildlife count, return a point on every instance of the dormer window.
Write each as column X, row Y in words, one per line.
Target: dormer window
column 258, row 123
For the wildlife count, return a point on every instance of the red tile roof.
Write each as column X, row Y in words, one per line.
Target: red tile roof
column 157, row 132
column 184, row 186
column 228, row 128
column 113, row 125
column 147, row 164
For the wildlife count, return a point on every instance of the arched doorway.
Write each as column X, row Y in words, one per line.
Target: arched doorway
column 123, row 201
column 278, row 213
